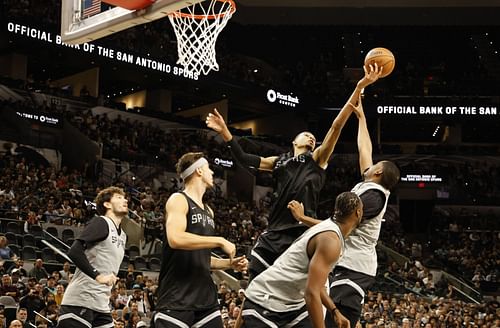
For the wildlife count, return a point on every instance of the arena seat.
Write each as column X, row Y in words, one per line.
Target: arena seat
column 53, row 231
column 29, row 240
column 133, row 251
column 48, row 255
column 140, row 263
column 154, row 264
column 29, row 253
column 7, row 301
column 67, row 234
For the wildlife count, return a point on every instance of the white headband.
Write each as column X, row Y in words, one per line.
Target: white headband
column 187, row 172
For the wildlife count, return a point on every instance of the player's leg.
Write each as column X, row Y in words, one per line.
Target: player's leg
column 172, row 319
column 254, row 316
column 76, row 317
column 347, row 290
column 208, row 319
column 268, row 248
column 300, row 319
column 261, row 257
column 103, row 320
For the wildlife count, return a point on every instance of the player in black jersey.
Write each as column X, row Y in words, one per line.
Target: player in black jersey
column 298, row 176
column 187, row 295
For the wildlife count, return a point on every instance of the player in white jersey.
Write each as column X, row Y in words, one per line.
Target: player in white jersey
column 293, row 291
column 97, row 254
column 355, row 272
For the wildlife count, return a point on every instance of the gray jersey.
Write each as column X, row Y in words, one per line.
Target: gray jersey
column 281, row 287
column 360, row 254
column 105, row 256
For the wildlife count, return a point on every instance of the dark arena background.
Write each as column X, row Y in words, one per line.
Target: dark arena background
column 119, row 111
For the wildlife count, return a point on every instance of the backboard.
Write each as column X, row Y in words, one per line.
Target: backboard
column 83, row 21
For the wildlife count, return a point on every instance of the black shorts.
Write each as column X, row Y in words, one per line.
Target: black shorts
column 184, row 319
column 347, row 290
column 255, row 316
column 269, row 246
column 80, row 317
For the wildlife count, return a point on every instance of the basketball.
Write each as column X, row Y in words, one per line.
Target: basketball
column 383, row 57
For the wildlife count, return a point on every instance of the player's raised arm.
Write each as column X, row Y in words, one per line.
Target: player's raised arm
column 364, row 141
column 322, row 154
column 216, row 122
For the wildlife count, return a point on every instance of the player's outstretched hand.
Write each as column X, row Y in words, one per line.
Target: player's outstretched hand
column 107, row 279
column 372, row 74
column 240, row 264
column 297, row 210
column 215, row 121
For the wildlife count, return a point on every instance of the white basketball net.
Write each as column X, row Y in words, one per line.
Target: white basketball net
column 197, row 28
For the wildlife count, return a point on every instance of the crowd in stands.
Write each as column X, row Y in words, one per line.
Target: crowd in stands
column 35, row 193
column 38, row 193
column 411, row 311
column 133, row 140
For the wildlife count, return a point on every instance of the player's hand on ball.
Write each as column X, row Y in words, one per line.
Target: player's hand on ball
column 215, row 121
column 297, row 210
column 106, row 279
column 371, row 75
column 240, row 264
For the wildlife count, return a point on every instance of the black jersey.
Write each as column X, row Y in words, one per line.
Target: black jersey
column 296, row 178
column 185, row 282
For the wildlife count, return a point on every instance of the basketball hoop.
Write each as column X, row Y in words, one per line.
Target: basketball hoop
column 197, row 28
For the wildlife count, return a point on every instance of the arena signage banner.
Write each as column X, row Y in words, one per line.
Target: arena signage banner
column 224, row 162
column 43, row 118
column 478, row 110
column 110, row 53
column 421, row 178
column 288, row 100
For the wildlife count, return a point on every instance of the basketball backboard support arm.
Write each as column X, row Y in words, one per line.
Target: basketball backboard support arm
column 75, row 29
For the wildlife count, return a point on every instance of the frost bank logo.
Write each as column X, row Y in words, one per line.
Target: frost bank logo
column 223, row 162
column 283, row 99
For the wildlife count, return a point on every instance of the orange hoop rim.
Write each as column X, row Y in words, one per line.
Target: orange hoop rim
column 232, row 9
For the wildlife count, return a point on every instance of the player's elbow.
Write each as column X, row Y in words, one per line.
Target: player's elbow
column 310, row 294
column 175, row 242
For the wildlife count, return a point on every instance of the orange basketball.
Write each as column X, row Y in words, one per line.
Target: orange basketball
column 383, row 57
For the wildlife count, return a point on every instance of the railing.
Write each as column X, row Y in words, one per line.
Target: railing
column 460, row 286
column 463, row 288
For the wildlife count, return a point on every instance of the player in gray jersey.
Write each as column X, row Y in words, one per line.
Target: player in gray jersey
column 293, row 291
column 97, row 253
column 355, row 272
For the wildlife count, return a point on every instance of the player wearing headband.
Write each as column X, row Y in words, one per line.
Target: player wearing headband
column 187, row 296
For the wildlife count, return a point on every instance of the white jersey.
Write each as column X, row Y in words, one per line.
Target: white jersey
column 360, row 254
column 281, row 287
column 105, row 256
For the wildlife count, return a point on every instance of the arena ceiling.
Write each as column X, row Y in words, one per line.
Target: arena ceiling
column 369, row 3
column 369, row 12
